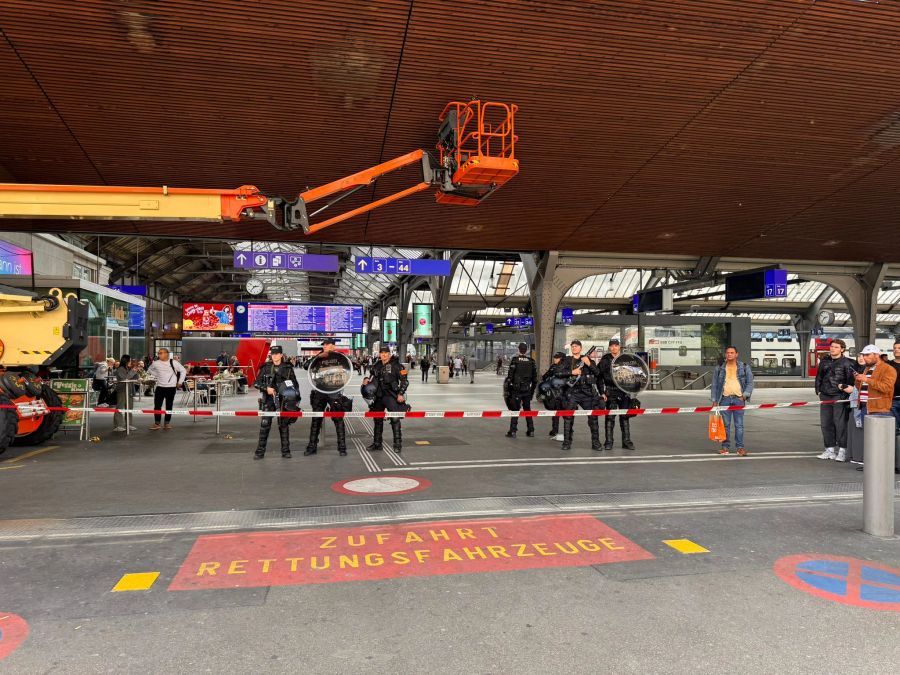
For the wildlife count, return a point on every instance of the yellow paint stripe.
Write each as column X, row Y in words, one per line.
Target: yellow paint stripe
column 685, row 546
column 423, row 442
column 7, row 468
column 137, row 581
column 33, row 453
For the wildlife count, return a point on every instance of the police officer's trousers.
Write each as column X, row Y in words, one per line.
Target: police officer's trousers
column 265, row 426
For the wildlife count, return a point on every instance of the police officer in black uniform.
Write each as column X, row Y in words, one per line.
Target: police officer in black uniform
column 585, row 391
column 551, row 392
column 518, row 388
column 616, row 399
column 390, row 382
column 272, row 378
column 336, row 402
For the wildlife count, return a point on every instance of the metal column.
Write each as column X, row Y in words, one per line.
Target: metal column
column 878, row 476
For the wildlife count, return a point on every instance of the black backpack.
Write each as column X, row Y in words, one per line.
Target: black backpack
column 521, row 380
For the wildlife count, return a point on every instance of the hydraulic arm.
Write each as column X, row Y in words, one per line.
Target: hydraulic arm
column 475, row 157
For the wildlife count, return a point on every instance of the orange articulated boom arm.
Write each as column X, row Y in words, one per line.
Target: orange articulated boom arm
column 476, row 156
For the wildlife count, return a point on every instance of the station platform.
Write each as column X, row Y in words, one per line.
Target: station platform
column 575, row 561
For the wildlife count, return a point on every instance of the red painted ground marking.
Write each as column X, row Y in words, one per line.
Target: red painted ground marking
column 13, row 631
column 381, row 485
column 848, row 581
column 256, row 559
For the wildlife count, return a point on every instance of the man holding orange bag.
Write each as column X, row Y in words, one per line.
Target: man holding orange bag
column 732, row 385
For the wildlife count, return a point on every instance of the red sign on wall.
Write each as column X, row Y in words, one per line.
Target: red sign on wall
column 419, row 549
column 207, row 316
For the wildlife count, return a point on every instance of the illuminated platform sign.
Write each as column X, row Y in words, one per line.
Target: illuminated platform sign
column 398, row 266
column 520, row 321
column 264, row 317
column 259, row 559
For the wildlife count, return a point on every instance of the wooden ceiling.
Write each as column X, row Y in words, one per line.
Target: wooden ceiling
column 766, row 129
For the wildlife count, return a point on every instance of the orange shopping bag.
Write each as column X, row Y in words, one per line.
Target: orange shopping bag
column 716, row 427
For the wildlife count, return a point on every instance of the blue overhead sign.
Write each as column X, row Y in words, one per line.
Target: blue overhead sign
column 300, row 262
column 567, row 314
column 489, row 328
column 520, row 321
column 131, row 290
column 776, row 283
column 414, row 266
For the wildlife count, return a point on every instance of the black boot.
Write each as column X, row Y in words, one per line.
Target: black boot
column 594, row 426
column 263, row 438
column 376, row 436
column 568, row 432
column 529, row 423
column 340, row 430
column 609, row 427
column 625, row 424
column 285, row 432
column 398, row 435
column 513, row 427
column 314, row 429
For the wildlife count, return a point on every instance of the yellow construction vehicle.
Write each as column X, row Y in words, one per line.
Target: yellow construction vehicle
column 36, row 332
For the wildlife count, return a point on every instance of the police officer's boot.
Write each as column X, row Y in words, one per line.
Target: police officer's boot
column 513, row 427
column 378, row 424
column 398, row 435
column 568, row 432
column 609, row 427
column 594, row 426
column 285, row 432
column 625, row 424
column 340, row 430
column 263, row 437
column 554, row 426
column 529, row 423
column 314, row 427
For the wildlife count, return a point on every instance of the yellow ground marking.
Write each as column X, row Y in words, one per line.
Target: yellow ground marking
column 423, row 442
column 137, row 581
column 33, row 453
column 7, row 468
column 685, row 546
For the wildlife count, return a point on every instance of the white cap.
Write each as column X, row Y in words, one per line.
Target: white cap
column 870, row 349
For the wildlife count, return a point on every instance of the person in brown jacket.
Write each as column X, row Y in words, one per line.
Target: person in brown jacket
column 875, row 383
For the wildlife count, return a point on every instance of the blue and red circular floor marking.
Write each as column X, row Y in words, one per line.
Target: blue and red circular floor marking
column 13, row 631
column 849, row 581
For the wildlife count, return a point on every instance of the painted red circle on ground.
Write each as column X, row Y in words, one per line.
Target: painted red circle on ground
column 849, row 581
column 13, row 631
column 381, row 485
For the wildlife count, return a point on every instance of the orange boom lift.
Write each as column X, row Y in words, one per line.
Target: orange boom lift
column 475, row 156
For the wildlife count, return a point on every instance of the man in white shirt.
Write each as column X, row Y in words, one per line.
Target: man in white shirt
column 169, row 374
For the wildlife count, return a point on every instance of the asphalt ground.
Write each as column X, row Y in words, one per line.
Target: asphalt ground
column 651, row 609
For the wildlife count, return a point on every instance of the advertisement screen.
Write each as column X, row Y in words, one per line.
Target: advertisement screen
column 294, row 318
column 422, row 320
column 207, row 316
column 389, row 330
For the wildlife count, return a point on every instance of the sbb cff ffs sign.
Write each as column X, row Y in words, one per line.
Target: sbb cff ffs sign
column 207, row 316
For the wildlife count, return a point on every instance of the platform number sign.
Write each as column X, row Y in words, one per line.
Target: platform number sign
column 776, row 283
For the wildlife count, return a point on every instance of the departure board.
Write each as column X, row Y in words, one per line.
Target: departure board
column 293, row 318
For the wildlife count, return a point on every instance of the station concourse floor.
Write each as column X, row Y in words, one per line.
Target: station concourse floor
column 78, row 516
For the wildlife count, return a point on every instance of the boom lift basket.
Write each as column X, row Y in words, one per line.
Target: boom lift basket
column 477, row 144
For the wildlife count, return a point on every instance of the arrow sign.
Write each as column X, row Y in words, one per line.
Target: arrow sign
column 308, row 262
column 402, row 266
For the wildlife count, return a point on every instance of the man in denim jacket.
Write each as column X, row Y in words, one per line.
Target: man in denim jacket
column 732, row 385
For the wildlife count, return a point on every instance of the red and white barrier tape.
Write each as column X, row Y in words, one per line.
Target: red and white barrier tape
column 453, row 414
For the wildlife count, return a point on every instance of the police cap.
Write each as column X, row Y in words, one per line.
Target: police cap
column 575, row 342
column 559, row 355
column 384, row 350
column 276, row 349
column 614, row 341
column 328, row 341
